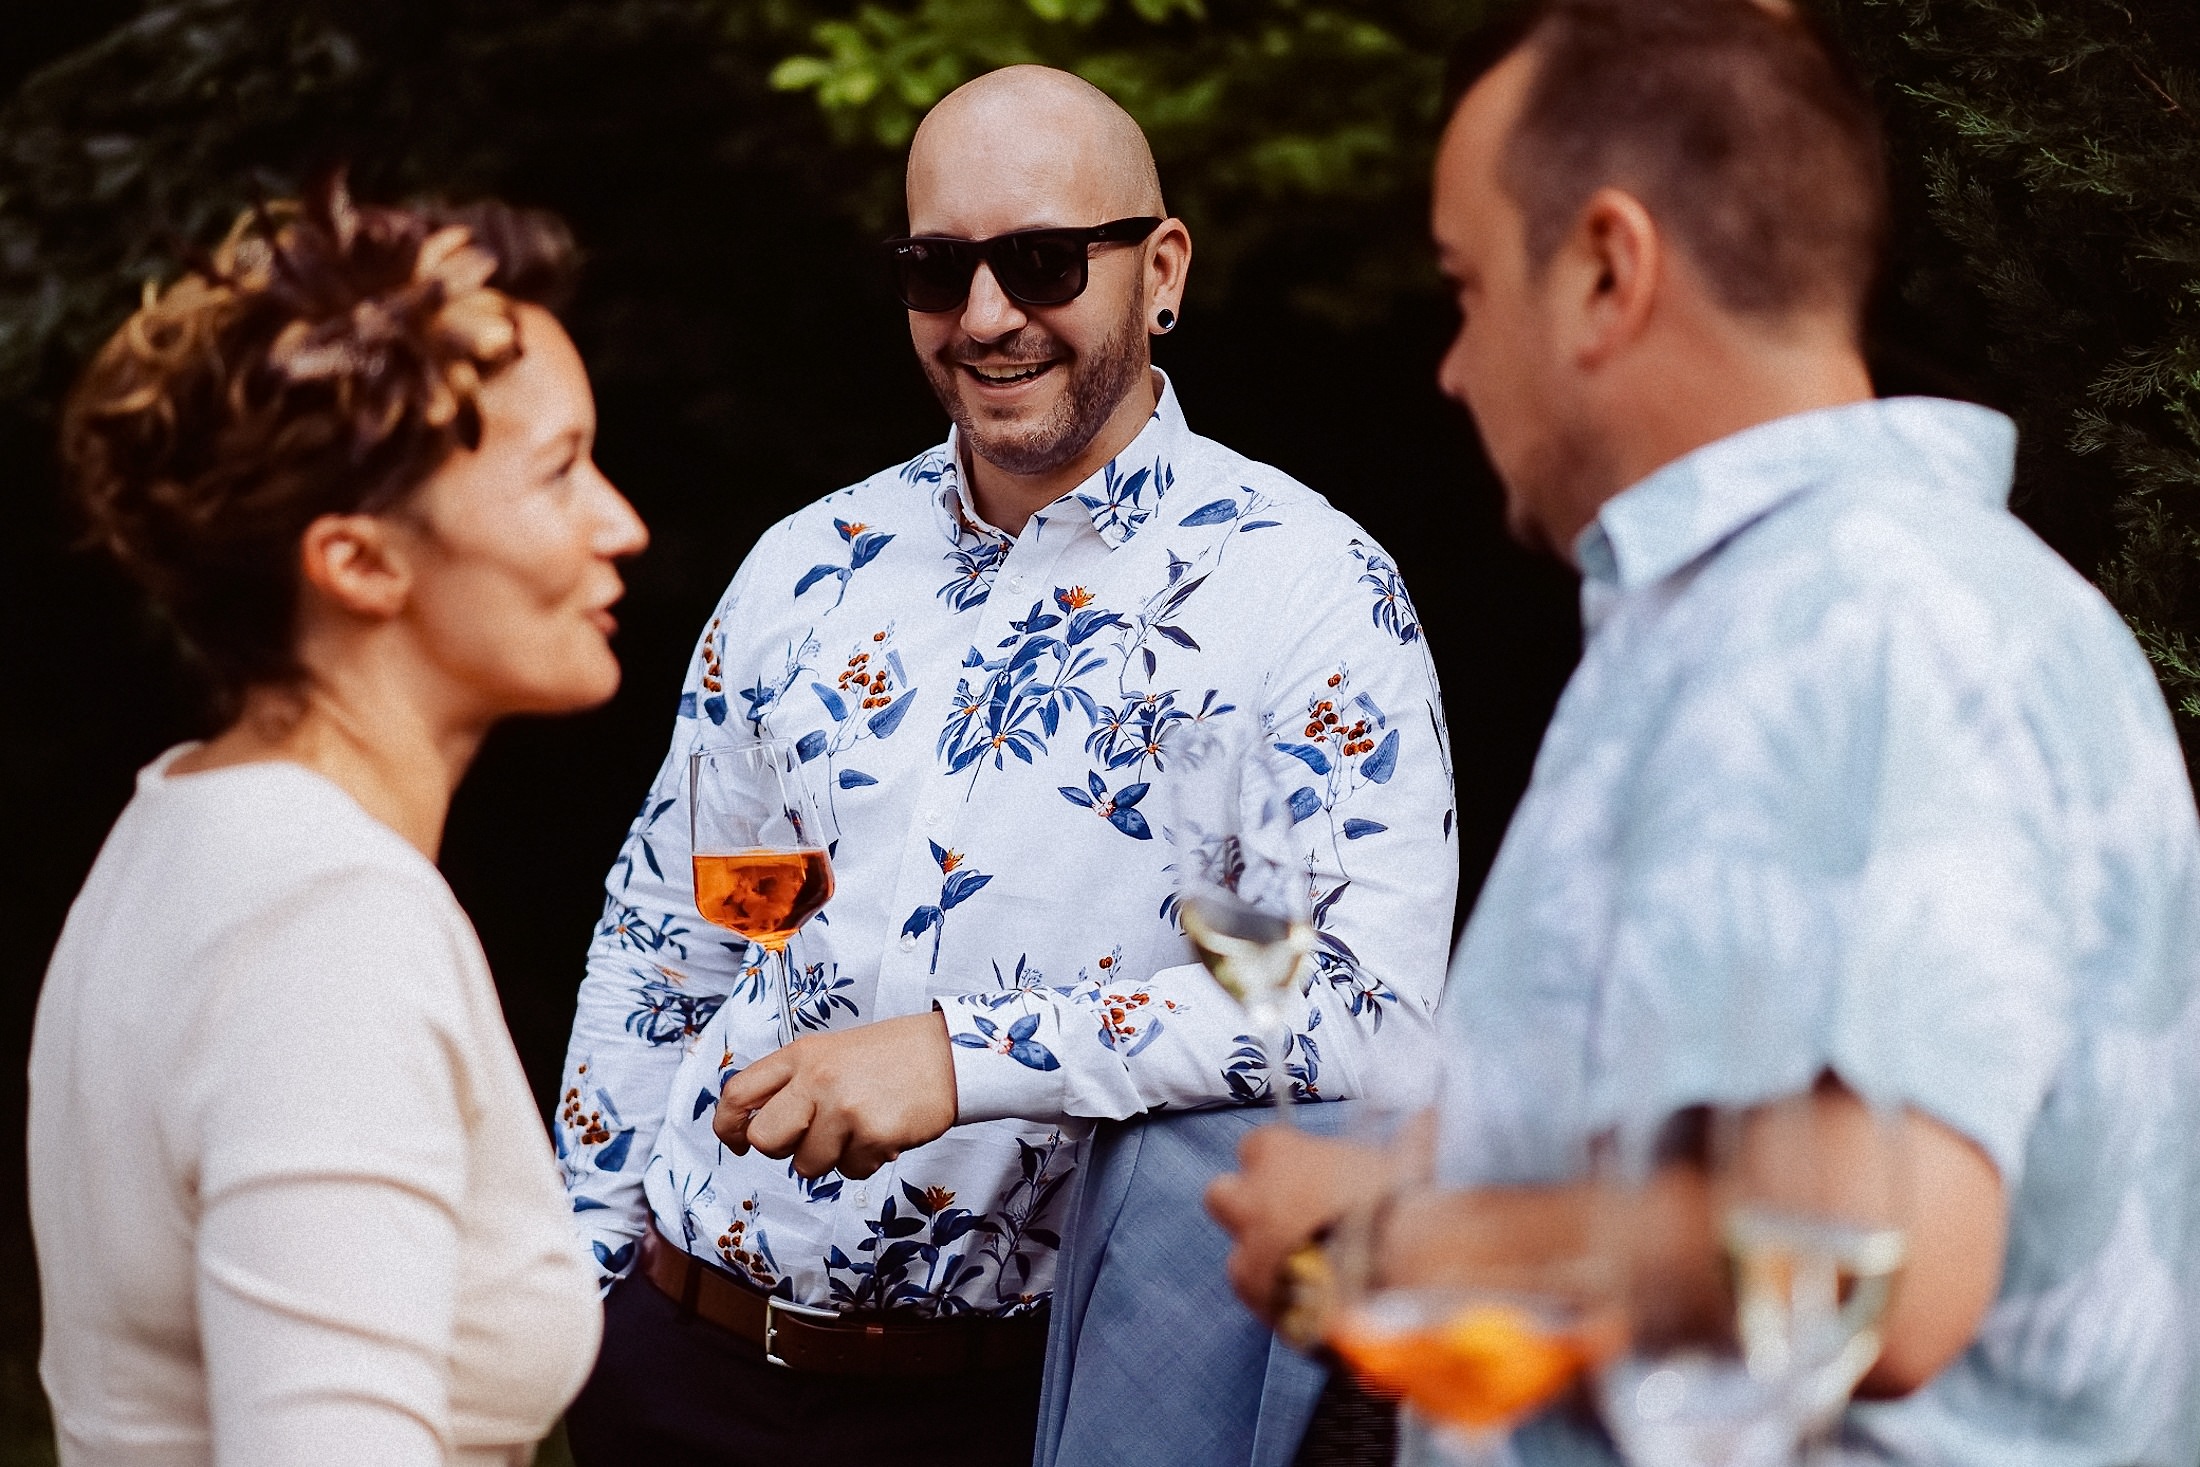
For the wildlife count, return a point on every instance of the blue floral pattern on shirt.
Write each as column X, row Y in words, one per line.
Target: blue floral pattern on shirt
column 990, row 718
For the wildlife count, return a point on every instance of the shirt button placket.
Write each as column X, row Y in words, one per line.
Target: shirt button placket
column 905, row 965
column 905, row 970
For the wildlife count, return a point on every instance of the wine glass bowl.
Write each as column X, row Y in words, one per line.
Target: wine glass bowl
column 1253, row 951
column 763, row 895
column 1243, row 894
column 1477, row 1309
column 761, row 857
column 1805, row 1190
column 1809, row 1189
column 1479, row 1360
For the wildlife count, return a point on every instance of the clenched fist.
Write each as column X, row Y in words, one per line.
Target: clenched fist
column 850, row 1101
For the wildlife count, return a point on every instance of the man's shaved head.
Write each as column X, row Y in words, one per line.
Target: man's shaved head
column 1043, row 394
column 1034, row 138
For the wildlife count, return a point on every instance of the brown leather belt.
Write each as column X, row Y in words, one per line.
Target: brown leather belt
column 825, row 1342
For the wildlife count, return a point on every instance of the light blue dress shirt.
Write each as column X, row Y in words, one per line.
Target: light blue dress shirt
column 1857, row 774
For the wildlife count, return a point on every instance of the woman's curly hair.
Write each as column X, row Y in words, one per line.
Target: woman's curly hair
column 325, row 360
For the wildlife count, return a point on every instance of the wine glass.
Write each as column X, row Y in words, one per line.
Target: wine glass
column 1476, row 1310
column 1243, row 891
column 1807, row 1189
column 1810, row 1189
column 762, row 859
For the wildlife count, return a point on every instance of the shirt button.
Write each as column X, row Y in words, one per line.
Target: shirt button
column 909, row 942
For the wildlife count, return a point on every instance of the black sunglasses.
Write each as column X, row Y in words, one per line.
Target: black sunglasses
column 1036, row 267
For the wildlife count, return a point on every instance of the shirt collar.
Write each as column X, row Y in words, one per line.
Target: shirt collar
column 1118, row 500
column 1694, row 504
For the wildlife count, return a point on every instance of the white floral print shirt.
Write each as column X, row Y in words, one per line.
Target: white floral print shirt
column 991, row 720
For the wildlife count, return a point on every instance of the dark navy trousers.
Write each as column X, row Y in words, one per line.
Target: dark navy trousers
column 673, row 1392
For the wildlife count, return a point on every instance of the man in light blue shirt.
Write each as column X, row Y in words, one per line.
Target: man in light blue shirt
column 1853, row 763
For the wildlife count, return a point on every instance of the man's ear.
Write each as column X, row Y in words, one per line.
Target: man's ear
column 1168, row 263
column 357, row 563
column 1610, row 272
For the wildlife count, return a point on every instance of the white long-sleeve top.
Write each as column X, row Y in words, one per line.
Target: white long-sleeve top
column 292, row 1201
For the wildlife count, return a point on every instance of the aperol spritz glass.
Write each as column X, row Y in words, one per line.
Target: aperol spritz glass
column 762, row 857
column 1477, row 1310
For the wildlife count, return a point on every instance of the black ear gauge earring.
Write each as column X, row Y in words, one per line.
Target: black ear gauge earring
column 1165, row 319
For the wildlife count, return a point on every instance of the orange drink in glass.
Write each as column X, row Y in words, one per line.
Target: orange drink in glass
column 1478, row 1362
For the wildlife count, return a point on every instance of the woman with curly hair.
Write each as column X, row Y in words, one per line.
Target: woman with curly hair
column 292, row 1200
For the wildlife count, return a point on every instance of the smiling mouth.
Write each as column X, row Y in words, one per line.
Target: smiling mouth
column 1008, row 376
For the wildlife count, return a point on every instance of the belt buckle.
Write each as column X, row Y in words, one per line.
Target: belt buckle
column 773, row 1304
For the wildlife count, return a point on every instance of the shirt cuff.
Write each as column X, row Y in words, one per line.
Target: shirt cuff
column 1007, row 1050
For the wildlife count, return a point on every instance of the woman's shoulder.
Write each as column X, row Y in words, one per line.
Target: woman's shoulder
column 263, row 832
column 261, row 876
column 193, row 857
column 288, row 958
column 341, row 1028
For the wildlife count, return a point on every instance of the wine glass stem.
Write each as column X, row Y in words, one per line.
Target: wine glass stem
column 786, row 995
column 1279, row 1075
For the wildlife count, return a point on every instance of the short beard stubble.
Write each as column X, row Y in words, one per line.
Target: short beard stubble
column 1098, row 383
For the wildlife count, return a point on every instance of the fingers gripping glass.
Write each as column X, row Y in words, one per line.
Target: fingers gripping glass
column 1036, row 267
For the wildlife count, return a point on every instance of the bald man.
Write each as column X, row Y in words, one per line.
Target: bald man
column 829, row 1214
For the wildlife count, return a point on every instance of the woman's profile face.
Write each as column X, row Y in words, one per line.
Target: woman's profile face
column 514, row 574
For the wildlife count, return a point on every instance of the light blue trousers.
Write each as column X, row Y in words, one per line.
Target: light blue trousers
column 1151, row 1360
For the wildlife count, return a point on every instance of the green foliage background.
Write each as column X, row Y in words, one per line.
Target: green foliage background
column 725, row 163
column 2049, row 156
column 745, row 361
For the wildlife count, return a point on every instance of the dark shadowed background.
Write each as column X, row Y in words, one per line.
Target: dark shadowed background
column 725, row 162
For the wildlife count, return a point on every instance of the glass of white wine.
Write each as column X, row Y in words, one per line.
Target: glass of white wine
column 1243, row 890
column 761, row 855
column 1808, row 1190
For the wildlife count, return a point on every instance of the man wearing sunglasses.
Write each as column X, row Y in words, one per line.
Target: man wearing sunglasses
column 987, row 659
